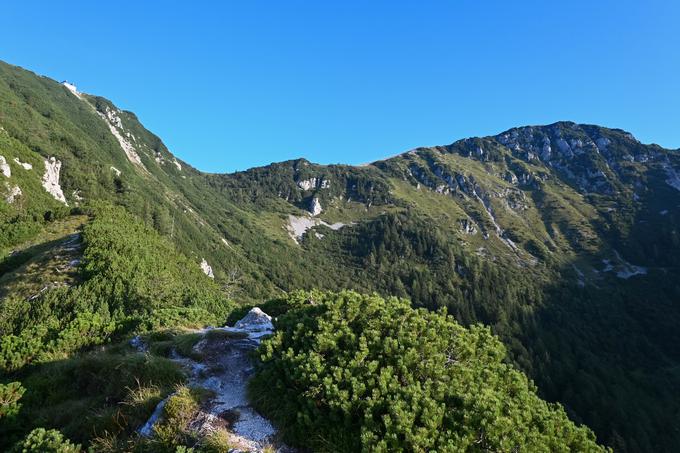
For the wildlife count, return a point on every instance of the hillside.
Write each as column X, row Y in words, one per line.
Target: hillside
column 562, row 238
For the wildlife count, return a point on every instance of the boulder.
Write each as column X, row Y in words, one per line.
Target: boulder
column 255, row 320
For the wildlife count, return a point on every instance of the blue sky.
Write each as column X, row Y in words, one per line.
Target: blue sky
column 230, row 85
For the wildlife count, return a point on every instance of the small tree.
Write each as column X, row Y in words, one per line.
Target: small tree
column 41, row 440
column 10, row 394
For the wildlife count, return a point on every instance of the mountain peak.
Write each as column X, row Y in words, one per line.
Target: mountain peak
column 566, row 130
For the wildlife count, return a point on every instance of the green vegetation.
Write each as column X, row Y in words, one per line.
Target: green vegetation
column 10, row 394
column 46, row 441
column 172, row 432
column 504, row 231
column 109, row 392
column 132, row 280
column 347, row 372
column 164, row 342
column 177, row 414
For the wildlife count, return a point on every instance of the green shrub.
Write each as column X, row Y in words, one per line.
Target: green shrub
column 219, row 441
column 173, row 429
column 10, row 394
column 347, row 372
column 133, row 280
column 41, row 440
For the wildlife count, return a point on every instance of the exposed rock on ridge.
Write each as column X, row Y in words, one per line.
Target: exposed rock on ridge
column 115, row 125
column 4, row 167
column 207, row 270
column 50, row 180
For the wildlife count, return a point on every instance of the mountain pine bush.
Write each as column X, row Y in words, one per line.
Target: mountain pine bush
column 41, row 440
column 132, row 279
column 348, row 372
column 10, row 394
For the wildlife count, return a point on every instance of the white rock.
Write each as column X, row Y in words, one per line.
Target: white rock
column 4, row 167
column 563, row 145
column 509, row 176
column 672, row 176
column 72, row 88
column 580, row 277
column 576, row 143
column 313, row 183
column 631, row 271
column 251, row 425
column 630, row 136
column 602, row 143
column 177, row 164
column 298, row 226
column 24, row 165
column 13, row 194
column 147, row 429
column 114, row 123
column 546, row 152
column 623, row 268
column 116, row 171
column 255, row 320
column 315, row 207
column 307, row 184
column 50, row 180
column 113, row 118
column 467, row 226
column 207, row 270
column 139, row 344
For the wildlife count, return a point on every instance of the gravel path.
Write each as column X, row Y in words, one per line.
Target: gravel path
column 225, row 368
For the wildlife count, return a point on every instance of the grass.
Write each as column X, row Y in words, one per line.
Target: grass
column 219, row 441
column 44, row 261
column 55, row 230
column 219, row 334
column 180, row 409
column 184, row 344
column 164, row 342
column 100, row 395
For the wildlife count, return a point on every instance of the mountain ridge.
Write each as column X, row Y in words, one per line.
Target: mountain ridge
column 559, row 123
column 562, row 238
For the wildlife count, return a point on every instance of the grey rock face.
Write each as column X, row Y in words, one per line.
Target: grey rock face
column 4, row 167
column 207, row 270
column 315, row 207
column 50, row 180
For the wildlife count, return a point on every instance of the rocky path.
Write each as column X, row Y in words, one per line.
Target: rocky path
column 224, row 369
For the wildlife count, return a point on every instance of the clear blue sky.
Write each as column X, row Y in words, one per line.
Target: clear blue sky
column 230, row 85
